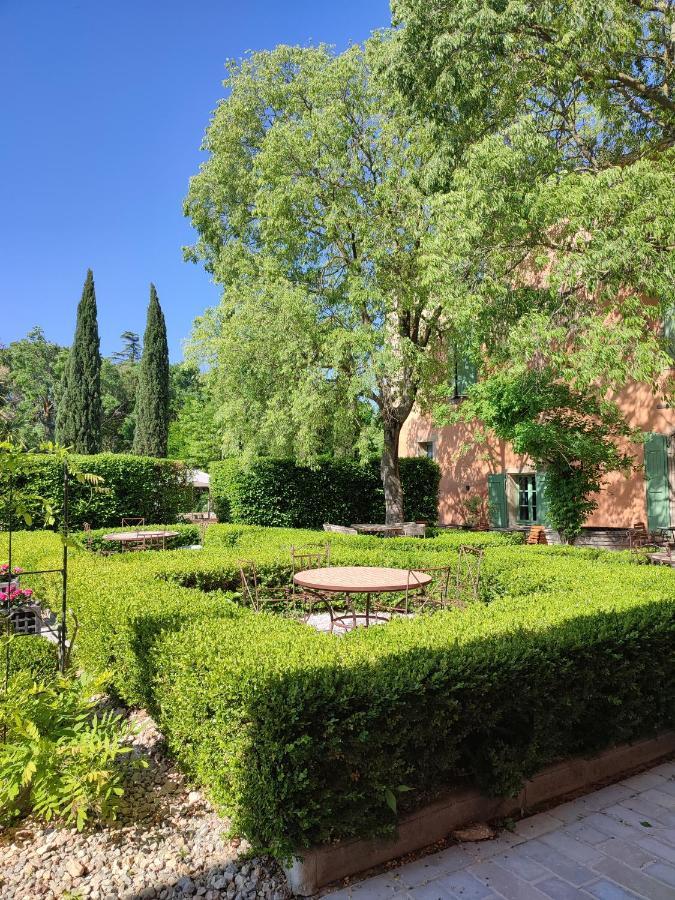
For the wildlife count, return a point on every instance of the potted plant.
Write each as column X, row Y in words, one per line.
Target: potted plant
column 8, row 580
column 474, row 511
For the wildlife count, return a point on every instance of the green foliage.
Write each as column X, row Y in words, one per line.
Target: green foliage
column 119, row 382
column 300, row 736
column 474, row 65
column 152, row 403
column 33, row 655
column 78, row 424
column 194, row 431
column 61, row 758
column 568, row 433
column 311, row 211
column 34, row 368
column 155, row 489
column 279, row 492
column 125, row 601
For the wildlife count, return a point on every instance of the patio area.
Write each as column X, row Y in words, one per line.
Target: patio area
column 614, row 844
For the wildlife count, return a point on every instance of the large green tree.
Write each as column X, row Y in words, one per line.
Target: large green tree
column 152, row 403
column 78, row 423
column 554, row 125
column 312, row 210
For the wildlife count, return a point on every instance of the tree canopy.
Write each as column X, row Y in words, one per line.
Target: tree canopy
column 555, row 247
column 312, row 212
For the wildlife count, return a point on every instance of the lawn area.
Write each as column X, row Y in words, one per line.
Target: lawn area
column 304, row 738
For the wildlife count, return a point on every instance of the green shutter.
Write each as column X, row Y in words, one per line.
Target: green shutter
column 499, row 514
column 542, row 499
column 658, row 489
column 668, row 330
column 465, row 376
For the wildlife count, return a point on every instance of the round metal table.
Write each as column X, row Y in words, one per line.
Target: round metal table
column 129, row 540
column 366, row 580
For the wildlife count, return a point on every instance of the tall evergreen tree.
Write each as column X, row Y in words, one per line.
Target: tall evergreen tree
column 152, row 398
column 78, row 423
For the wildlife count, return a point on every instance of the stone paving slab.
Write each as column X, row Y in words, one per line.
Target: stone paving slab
column 617, row 843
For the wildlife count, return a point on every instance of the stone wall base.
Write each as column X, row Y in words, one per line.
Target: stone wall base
column 324, row 865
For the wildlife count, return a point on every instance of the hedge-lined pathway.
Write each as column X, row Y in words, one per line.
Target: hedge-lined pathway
column 168, row 843
column 615, row 844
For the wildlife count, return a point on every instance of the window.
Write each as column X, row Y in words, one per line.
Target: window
column 668, row 331
column 426, row 449
column 527, row 498
column 463, row 373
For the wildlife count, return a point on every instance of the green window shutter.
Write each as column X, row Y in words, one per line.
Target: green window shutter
column 668, row 330
column 542, row 500
column 465, row 375
column 499, row 513
column 658, row 488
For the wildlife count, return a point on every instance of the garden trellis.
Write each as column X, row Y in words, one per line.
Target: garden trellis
column 62, row 570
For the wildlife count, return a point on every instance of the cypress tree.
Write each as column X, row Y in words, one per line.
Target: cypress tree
column 152, row 397
column 78, row 421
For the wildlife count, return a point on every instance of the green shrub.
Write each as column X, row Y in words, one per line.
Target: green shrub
column 303, row 738
column 32, row 655
column 277, row 492
column 135, row 486
column 61, row 757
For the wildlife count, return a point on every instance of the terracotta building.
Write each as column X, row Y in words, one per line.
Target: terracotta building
column 491, row 483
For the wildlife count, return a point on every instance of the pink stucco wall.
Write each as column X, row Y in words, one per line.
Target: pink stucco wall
column 622, row 500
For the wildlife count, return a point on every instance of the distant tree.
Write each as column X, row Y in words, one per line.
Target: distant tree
column 118, row 393
column 131, row 349
column 33, row 368
column 78, row 423
column 152, row 403
column 194, row 433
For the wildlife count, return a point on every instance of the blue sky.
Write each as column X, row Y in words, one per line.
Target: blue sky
column 104, row 106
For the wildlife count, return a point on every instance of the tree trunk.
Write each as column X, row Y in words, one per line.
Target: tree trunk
column 391, row 477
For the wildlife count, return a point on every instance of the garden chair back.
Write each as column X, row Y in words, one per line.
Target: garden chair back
column 253, row 592
column 433, row 596
column 638, row 536
column 467, row 575
column 312, row 556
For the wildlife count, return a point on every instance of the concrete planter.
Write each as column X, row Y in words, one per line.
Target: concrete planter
column 323, row 865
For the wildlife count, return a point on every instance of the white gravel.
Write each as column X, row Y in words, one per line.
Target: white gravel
column 167, row 843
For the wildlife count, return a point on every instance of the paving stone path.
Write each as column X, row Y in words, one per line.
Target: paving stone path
column 615, row 844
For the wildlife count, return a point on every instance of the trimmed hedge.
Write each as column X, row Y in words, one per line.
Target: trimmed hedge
column 303, row 738
column 277, row 492
column 134, row 486
column 35, row 655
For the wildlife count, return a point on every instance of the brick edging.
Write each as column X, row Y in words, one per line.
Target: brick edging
column 323, row 865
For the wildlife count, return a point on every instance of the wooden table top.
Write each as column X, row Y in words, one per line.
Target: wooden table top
column 361, row 579
column 138, row 535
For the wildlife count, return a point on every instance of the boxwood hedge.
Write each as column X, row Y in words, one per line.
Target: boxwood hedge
column 279, row 492
column 305, row 737
column 138, row 486
column 34, row 655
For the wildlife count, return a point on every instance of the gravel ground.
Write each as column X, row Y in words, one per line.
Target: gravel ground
column 167, row 843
